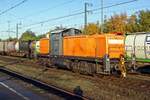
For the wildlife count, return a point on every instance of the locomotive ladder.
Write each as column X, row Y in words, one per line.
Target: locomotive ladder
column 122, row 67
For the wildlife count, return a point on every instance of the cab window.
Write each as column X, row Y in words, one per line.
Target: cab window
column 148, row 39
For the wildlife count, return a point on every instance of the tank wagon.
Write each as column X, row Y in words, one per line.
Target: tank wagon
column 1, row 47
column 22, row 48
column 137, row 46
column 6, row 47
column 13, row 48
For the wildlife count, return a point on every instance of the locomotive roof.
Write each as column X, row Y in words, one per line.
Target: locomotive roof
column 62, row 30
column 57, row 31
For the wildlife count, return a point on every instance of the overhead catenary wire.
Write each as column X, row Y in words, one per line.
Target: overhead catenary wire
column 75, row 14
column 70, row 25
column 122, row 3
column 45, row 10
column 70, row 15
column 57, row 23
column 5, row 11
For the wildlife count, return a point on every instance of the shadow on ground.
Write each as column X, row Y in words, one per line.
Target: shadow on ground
column 144, row 69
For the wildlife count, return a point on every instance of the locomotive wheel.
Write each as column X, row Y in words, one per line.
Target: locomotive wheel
column 88, row 67
column 91, row 68
column 81, row 70
column 68, row 63
column 75, row 66
column 71, row 66
column 83, row 67
column 98, row 68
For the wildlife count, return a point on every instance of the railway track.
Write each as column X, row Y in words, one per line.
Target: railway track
column 13, row 60
column 52, row 89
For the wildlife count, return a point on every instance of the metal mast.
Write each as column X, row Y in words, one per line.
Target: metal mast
column 102, row 20
column 85, row 17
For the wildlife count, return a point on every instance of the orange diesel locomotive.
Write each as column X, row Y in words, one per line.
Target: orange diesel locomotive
column 84, row 53
column 94, row 53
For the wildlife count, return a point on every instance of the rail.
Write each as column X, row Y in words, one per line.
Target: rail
column 50, row 88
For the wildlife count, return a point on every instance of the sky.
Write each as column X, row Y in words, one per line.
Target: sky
column 34, row 11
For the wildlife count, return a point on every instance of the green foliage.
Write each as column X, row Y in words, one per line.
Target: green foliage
column 91, row 28
column 40, row 36
column 134, row 23
column 144, row 20
column 28, row 35
column 117, row 23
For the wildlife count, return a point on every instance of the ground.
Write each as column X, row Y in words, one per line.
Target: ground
column 134, row 87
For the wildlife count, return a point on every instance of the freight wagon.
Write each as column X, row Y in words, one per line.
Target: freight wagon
column 1, row 47
column 6, row 47
column 22, row 48
column 137, row 47
column 13, row 48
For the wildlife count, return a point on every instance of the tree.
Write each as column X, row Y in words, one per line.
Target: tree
column 28, row 35
column 40, row 36
column 117, row 23
column 91, row 29
column 132, row 24
column 144, row 20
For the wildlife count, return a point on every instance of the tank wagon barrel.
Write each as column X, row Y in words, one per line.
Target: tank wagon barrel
column 137, row 46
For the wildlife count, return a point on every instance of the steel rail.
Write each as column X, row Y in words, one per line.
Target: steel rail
column 50, row 88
